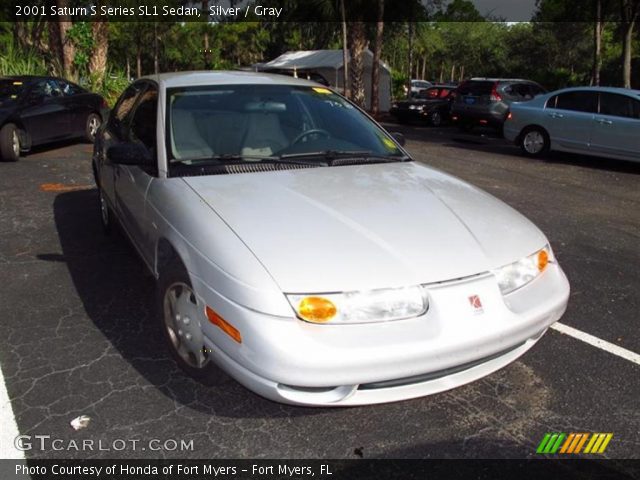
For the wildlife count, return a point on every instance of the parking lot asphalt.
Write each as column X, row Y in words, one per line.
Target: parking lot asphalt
column 79, row 337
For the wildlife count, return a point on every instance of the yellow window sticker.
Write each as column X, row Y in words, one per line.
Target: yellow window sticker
column 321, row 90
column 389, row 143
column 17, row 83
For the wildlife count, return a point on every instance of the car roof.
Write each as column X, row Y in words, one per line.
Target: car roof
column 624, row 91
column 32, row 78
column 486, row 79
column 24, row 77
column 205, row 77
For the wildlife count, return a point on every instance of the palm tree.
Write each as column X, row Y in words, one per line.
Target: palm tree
column 630, row 12
column 377, row 50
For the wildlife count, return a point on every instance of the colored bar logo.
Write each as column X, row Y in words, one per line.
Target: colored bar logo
column 574, row 442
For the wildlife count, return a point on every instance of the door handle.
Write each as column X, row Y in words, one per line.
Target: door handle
column 604, row 121
column 556, row 115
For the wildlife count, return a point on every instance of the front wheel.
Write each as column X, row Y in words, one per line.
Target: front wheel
column 435, row 118
column 534, row 142
column 9, row 143
column 91, row 127
column 180, row 313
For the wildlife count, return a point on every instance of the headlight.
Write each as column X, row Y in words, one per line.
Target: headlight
column 518, row 274
column 415, row 107
column 360, row 307
column 394, row 105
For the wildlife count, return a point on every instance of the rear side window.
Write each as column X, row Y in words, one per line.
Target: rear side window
column 46, row 88
column 619, row 105
column 70, row 89
column 575, row 101
column 476, row 88
column 520, row 91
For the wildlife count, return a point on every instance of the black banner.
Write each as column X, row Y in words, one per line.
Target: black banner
column 319, row 469
column 285, row 11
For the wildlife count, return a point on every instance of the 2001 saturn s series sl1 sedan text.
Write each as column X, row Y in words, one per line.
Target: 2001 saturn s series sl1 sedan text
column 299, row 247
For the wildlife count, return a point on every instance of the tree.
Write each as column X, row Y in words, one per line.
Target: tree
column 598, row 29
column 98, row 61
column 62, row 46
column 357, row 46
column 377, row 50
column 629, row 11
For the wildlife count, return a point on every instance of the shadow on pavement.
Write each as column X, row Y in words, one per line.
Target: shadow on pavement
column 118, row 296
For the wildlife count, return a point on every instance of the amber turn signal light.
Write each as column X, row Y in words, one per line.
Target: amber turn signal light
column 221, row 323
column 317, row 309
column 543, row 260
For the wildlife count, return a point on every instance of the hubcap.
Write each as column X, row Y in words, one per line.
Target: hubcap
column 181, row 314
column 533, row 142
column 94, row 124
column 15, row 142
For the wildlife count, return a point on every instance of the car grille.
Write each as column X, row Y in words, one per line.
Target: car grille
column 425, row 377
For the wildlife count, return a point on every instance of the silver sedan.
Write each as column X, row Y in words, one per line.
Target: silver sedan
column 298, row 247
column 600, row 121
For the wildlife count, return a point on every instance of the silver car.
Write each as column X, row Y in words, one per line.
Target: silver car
column 297, row 246
column 598, row 121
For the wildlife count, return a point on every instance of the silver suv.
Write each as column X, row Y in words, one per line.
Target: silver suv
column 486, row 101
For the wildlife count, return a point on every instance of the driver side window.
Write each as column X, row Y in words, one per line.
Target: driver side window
column 120, row 115
column 143, row 122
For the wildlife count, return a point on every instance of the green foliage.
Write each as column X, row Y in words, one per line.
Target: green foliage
column 15, row 61
column 82, row 37
column 398, row 84
column 114, row 83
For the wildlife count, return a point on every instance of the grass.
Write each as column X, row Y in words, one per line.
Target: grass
column 15, row 61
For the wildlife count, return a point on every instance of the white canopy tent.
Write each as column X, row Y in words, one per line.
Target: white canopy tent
column 328, row 63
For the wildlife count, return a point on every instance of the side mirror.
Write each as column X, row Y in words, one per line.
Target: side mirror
column 130, row 153
column 398, row 137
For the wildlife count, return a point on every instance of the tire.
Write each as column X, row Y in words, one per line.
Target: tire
column 534, row 142
column 179, row 317
column 106, row 215
column 435, row 118
column 9, row 143
column 91, row 127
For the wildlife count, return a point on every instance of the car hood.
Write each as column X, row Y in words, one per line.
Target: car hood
column 368, row 226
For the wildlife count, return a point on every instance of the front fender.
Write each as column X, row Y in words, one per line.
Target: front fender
column 209, row 249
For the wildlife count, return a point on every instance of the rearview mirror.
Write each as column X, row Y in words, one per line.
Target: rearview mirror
column 130, row 153
column 399, row 138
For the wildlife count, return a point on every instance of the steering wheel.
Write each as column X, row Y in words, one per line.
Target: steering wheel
column 313, row 131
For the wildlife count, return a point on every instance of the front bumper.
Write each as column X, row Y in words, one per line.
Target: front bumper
column 291, row 361
column 409, row 115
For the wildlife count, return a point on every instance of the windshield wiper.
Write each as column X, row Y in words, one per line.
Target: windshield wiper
column 331, row 155
column 232, row 158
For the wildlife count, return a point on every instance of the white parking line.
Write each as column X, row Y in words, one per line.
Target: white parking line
column 9, row 430
column 597, row 342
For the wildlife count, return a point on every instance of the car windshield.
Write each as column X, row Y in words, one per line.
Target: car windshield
column 10, row 90
column 269, row 122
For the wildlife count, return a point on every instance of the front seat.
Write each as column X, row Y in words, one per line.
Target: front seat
column 186, row 139
column 264, row 135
